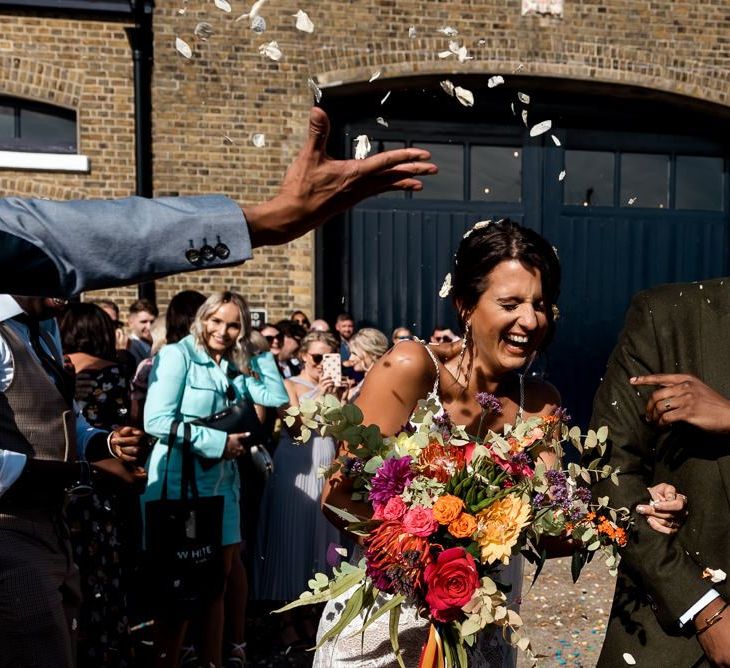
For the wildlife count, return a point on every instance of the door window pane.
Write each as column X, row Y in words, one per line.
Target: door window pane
column 588, row 178
column 699, row 183
column 379, row 146
column 37, row 127
column 7, row 122
column 449, row 182
column 644, row 180
column 496, row 174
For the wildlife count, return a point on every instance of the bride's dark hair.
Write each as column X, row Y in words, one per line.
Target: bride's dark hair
column 485, row 246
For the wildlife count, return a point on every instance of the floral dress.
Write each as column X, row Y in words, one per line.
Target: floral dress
column 101, row 535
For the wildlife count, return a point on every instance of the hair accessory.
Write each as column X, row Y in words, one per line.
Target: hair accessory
column 445, row 287
column 477, row 226
column 556, row 312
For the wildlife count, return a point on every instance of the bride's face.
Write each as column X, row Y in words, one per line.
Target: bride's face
column 510, row 320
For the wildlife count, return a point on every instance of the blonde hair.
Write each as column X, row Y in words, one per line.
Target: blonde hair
column 370, row 341
column 158, row 332
column 240, row 352
column 318, row 337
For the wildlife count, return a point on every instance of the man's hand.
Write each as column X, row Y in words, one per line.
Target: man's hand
column 317, row 187
column 126, row 443
column 685, row 398
column 715, row 639
column 667, row 509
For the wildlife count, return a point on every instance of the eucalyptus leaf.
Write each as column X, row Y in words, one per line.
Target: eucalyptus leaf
column 393, row 629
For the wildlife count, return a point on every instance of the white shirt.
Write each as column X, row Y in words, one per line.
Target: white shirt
column 12, row 463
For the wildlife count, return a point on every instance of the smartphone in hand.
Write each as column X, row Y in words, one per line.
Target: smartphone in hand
column 332, row 367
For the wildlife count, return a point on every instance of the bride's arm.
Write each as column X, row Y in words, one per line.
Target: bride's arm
column 391, row 390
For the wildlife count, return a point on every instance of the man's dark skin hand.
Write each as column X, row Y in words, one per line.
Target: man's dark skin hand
column 715, row 639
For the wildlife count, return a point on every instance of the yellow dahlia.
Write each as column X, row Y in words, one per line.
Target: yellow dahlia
column 499, row 527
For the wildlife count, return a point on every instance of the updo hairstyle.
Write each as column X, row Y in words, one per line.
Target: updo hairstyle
column 318, row 337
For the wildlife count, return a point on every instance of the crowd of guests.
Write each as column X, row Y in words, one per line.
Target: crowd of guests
column 153, row 370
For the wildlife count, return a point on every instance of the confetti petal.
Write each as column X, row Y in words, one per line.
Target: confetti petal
column 445, row 54
column 183, row 48
column 561, row 176
column 374, row 76
column 445, row 287
column 304, row 23
column 203, row 31
column 449, row 31
column 524, row 117
column 385, row 97
column 258, row 24
column 496, row 80
column 466, row 97
column 227, row 140
column 316, row 90
column 412, row 32
column 271, row 50
column 259, row 140
column 629, row 659
column 632, row 200
column 255, row 9
column 556, row 141
column 381, row 121
column 362, row 147
column 524, row 98
column 714, row 574
column 223, row 5
column 540, row 128
column 448, row 87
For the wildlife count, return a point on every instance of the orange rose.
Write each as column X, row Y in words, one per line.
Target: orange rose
column 463, row 526
column 447, row 509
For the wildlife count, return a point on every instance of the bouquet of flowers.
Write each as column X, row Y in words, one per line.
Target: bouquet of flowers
column 449, row 510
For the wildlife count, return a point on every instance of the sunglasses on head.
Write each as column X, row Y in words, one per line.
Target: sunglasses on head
column 316, row 358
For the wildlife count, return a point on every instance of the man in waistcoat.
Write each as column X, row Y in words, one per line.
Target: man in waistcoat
column 46, row 448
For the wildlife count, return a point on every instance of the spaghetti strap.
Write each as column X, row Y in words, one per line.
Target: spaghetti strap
column 312, row 388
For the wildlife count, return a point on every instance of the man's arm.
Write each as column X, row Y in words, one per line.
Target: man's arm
column 63, row 248
column 672, row 579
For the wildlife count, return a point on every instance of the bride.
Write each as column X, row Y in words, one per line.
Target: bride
column 505, row 284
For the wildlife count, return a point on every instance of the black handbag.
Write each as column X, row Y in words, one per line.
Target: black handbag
column 183, row 542
column 237, row 418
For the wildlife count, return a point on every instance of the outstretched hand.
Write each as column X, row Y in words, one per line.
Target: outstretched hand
column 685, row 398
column 317, row 187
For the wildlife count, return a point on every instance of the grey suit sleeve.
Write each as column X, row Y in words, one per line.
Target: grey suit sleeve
column 658, row 561
column 63, row 248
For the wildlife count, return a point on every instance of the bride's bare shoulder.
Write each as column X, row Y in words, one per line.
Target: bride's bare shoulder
column 406, row 362
column 541, row 397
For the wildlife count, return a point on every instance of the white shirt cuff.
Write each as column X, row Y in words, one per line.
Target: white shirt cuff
column 11, row 466
column 694, row 610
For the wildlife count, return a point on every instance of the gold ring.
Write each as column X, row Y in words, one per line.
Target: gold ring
column 667, row 406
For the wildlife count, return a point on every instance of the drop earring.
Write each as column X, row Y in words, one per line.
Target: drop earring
column 462, row 352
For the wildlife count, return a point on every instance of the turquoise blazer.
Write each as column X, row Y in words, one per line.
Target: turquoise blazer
column 185, row 384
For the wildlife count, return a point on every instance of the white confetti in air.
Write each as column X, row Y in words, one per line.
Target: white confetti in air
column 449, row 31
column 714, row 574
column 447, row 87
column 316, row 90
column 203, row 31
column 412, row 32
column 271, row 50
column 629, row 659
column 227, row 140
column 445, row 287
column 362, row 147
column 632, row 200
column 524, row 117
column 304, row 23
column 259, row 140
column 524, row 98
column 223, row 5
column 182, row 11
column 381, row 121
column 255, row 9
column 556, row 141
column 374, row 76
column 385, row 98
column 512, row 107
column 258, row 24
column 466, row 97
column 495, row 81
column 463, row 55
column 540, row 128
column 342, row 551
column 445, row 54
column 183, row 48
column 561, row 176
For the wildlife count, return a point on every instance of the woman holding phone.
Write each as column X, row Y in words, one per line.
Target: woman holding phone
column 294, row 535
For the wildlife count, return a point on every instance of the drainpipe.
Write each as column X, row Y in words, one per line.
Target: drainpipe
column 141, row 40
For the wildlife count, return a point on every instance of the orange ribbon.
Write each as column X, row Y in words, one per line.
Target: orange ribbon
column 432, row 654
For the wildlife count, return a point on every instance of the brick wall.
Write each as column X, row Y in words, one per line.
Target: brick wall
column 207, row 108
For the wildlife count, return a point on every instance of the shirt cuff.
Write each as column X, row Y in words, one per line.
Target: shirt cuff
column 695, row 609
column 11, row 466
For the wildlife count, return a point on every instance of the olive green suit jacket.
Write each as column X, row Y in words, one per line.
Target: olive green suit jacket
column 682, row 328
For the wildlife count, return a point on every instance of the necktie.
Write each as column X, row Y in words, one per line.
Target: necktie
column 50, row 365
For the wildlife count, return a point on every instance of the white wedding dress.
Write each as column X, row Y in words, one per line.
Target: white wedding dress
column 373, row 650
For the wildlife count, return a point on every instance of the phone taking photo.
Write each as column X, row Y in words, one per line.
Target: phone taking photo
column 332, row 367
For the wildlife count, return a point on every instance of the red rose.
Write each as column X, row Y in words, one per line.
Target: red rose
column 450, row 583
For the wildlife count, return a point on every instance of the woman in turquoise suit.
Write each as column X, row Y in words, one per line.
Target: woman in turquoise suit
column 195, row 378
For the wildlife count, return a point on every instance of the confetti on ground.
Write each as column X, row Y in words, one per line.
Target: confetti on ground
column 304, row 23
column 496, row 80
column 183, row 48
column 259, row 140
column 362, row 147
column 540, row 128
